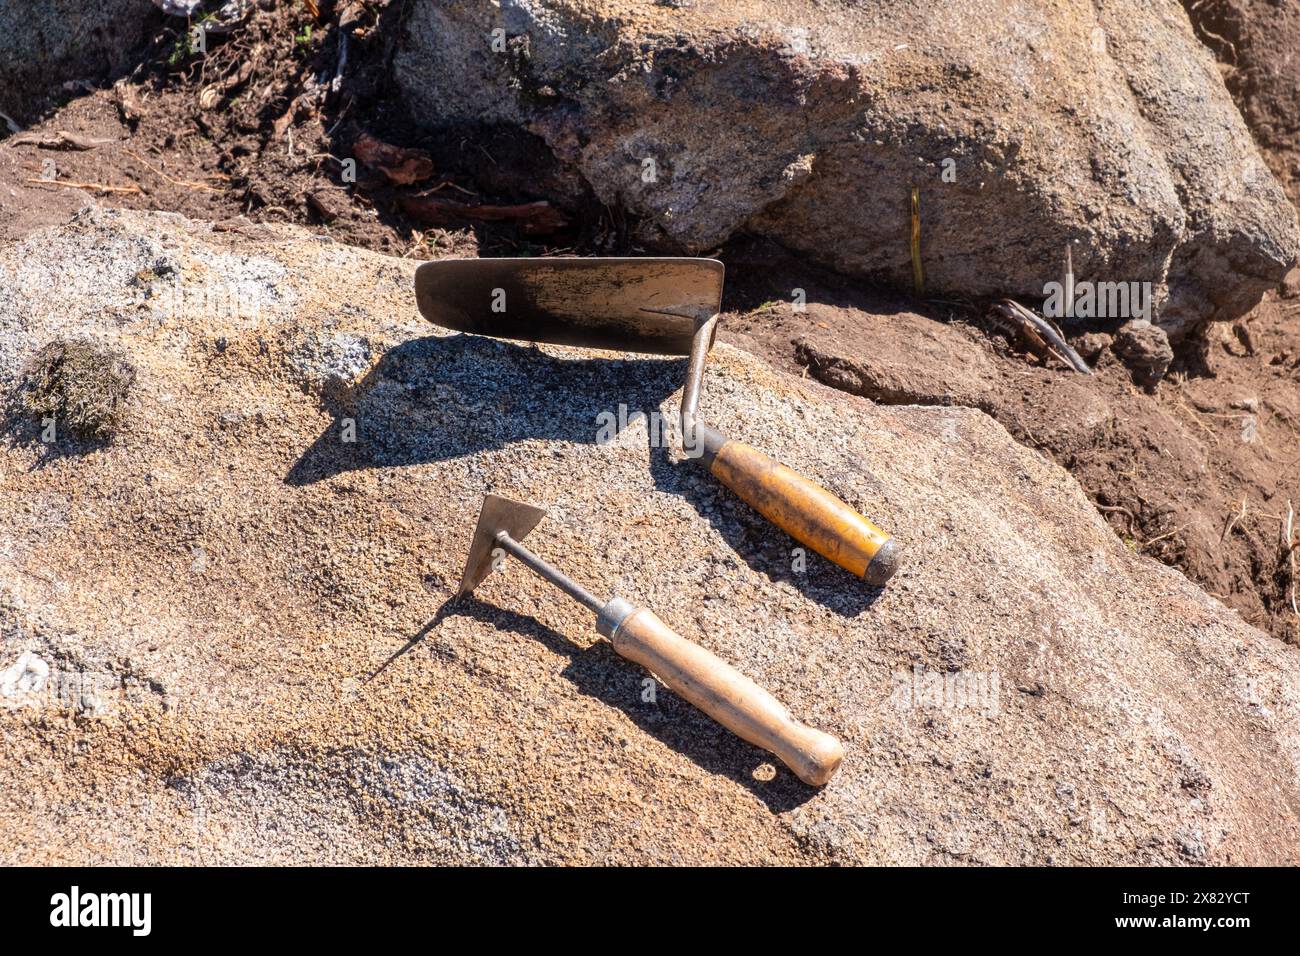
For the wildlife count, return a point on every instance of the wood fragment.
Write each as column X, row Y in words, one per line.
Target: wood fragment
column 286, row 119
column 60, row 140
column 533, row 218
column 128, row 105
column 319, row 203
column 1039, row 335
column 93, row 187
column 401, row 165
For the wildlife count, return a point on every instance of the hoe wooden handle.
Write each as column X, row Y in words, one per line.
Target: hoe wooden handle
column 728, row 696
column 805, row 510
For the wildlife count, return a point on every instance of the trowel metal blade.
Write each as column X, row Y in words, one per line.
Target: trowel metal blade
column 624, row 304
column 497, row 514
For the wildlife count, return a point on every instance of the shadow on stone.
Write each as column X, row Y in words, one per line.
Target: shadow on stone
column 599, row 672
column 444, row 397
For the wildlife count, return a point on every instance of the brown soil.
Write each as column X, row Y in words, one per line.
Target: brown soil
column 253, row 131
column 1199, row 474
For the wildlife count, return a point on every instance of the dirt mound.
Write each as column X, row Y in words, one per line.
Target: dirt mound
column 235, row 641
column 277, row 122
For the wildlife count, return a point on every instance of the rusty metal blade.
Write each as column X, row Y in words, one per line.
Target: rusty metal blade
column 497, row 514
column 625, row 304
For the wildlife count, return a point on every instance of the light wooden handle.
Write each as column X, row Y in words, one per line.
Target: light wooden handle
column 806, row 511
column 728, row 696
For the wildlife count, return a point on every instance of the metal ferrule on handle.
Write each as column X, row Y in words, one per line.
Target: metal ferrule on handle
column 800, row 507
column 721, row 691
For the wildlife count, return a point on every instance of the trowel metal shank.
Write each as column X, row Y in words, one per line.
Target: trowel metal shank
column 665, row 306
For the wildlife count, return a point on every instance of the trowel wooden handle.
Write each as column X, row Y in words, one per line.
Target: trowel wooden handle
column 803, row 509
column 728, row 696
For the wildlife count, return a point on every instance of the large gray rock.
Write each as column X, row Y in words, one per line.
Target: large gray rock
column 1102, row 125
column 200, row 623
column 1258, row 46
column 43, row 42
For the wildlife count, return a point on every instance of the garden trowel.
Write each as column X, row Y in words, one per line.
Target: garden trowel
column 705, row 680
column 666, row 306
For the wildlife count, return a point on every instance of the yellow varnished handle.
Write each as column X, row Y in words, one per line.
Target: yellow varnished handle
column 728, row 696
column 806, row 511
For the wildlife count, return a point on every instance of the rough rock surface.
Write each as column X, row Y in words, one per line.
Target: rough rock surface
column 1144, row 349
column 1105, row 125
column 210, row 613
column 1258, row 46
column 43, row 42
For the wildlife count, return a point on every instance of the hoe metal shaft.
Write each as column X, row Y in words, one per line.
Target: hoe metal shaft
column 549, row 572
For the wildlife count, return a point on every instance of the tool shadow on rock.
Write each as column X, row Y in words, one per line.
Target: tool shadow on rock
column 759, row 543
column 599, row 672
column 443, row 397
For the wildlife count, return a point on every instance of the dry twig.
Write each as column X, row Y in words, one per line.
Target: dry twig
column 1161, row 537
column 60, row 140
column 94, row 187
column 174, row 182
column 1289, row 543
column 1233, row 521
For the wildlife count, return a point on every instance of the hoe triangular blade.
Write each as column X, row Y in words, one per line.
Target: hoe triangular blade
column 497, row 514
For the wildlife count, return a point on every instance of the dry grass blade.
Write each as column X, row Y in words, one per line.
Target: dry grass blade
column 1233, row 521
column 1290, row 545
column 175, row 182
column 918, row 275
column 1161, row 537
column 1067, row 306
column 93, row 187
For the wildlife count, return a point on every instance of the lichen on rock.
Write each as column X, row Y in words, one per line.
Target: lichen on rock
column 77, row 384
